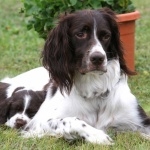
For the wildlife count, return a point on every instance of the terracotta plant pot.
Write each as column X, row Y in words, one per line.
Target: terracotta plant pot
column 127, row 29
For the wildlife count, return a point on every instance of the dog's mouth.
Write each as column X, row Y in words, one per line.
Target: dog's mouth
column 99, row 69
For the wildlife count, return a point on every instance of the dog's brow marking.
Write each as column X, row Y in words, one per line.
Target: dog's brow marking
column 98, row 46
column 27, row 99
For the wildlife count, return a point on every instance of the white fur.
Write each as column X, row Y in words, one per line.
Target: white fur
column 97, row 47
column 97, row 111
column 34, row 79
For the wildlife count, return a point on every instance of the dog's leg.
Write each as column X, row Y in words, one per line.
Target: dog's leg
column 145, row 121
column 73, row 128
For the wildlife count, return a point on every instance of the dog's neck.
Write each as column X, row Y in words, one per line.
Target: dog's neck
column 95, row 84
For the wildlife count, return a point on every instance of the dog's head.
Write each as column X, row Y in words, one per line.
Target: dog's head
column 17, row 110
column 83, row 41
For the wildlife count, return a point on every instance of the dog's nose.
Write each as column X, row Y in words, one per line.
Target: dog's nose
column 97, row 58
column 20, row 123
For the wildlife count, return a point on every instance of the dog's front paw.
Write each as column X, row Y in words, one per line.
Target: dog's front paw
column 99, row 137
column 35, row 129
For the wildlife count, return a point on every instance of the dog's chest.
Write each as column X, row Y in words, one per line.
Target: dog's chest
column 92, row 88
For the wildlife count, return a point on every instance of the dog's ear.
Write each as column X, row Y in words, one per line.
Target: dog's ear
column 3, row 93
column 57, row 55
column 17, row 89
column 4, row 110
column 4, row 104
column 115, row 49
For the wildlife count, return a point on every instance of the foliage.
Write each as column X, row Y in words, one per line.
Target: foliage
column 42, row 13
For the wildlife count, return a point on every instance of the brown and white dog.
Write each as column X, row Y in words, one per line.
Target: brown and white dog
column 21, row 97
column 89, row 92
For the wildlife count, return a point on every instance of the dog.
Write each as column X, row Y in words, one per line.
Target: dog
column 18, row 109
column 88, row 91
column 21, row 97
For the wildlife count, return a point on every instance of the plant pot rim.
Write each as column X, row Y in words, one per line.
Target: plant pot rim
column 128, row 16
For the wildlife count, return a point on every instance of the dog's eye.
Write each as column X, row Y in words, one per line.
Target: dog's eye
column 81, row 35
column 31, row 114
column 106, row 37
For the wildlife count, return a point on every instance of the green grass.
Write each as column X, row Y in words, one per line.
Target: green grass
column 140, row 84
column 20, row 50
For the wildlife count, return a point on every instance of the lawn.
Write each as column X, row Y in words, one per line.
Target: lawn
column 20, row 51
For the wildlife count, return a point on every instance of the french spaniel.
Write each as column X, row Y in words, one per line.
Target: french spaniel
column 18, row 109
column 88, row 91
column 21, row 97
